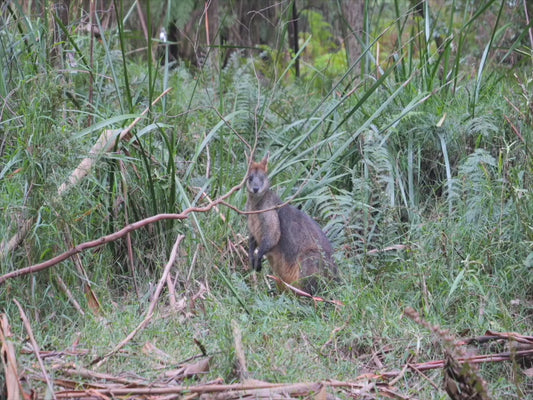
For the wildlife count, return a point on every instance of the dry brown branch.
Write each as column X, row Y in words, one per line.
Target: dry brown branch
column 240, row 358
column 515, row 129
column 12, row 388
column 170, row 263
column 69, row 295
column 81, row 372
column 151, row 308
column 479, row 359
column 311, row 390
column 389, row 248
column 424, row 376
column 250, row 389
column 35, row 346
column 368, row 385
column 73, row 384
column 92, row 300
column 129, row 244
column 301, row 293
column 511, row 336
column 399, row 376
column 58, row 353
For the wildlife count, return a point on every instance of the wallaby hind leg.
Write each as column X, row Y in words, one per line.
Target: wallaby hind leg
column 314, row 272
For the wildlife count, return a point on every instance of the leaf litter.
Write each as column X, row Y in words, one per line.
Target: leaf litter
column 71, row 380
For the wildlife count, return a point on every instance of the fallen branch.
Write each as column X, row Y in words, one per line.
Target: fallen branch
column 389, row 248
column 12, row 386
column 240, row 358
column 35, row 346
column 302, row 293
column 151, row 308
column 365, row 385
column 480, row 359
column 88, row 374
column 252, row 389
column 511, row 336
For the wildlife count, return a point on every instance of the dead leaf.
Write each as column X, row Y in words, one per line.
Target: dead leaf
column 152, row 351
column 189, row 370
column 92, row 300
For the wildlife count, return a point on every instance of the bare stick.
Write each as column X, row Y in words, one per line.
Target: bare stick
column 171, row 291
column 424, row 376
column 240, row 358
column 7, row 246
column 35, row 347
column 128, row 236
column 150, row 312
column 69, row 294
column 302, row 293
column 12, row 386
column 216, row 388
column 170, row 263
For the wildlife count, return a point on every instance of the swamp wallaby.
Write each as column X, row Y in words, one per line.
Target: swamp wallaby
column 296, row 248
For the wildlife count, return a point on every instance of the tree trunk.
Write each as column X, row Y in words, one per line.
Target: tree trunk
column 354, row 16
column 60, row 9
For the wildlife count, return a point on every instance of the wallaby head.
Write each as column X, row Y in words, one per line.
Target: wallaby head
column 257, row 181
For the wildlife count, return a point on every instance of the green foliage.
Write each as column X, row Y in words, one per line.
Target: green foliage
column 322, row 60
column 420, row 172
column 180, row 11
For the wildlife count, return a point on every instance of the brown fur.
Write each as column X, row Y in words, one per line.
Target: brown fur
column 294, row 244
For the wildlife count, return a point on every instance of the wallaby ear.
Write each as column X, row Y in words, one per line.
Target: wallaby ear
column 264, row 161
column 249, row 159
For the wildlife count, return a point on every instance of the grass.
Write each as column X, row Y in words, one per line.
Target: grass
column 424, row 154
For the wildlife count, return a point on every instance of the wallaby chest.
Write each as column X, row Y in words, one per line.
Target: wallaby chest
column 265, row 223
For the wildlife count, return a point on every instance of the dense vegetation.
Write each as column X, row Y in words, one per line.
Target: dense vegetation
column 416, row 159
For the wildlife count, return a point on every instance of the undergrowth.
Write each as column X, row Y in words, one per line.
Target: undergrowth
column 419, row 171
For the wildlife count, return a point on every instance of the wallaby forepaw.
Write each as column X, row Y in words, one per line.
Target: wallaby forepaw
column 257, row 263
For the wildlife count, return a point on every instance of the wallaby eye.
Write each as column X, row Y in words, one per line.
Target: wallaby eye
column 250, row 178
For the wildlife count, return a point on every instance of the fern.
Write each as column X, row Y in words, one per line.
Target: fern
column 377, row 162
column 478, row 186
